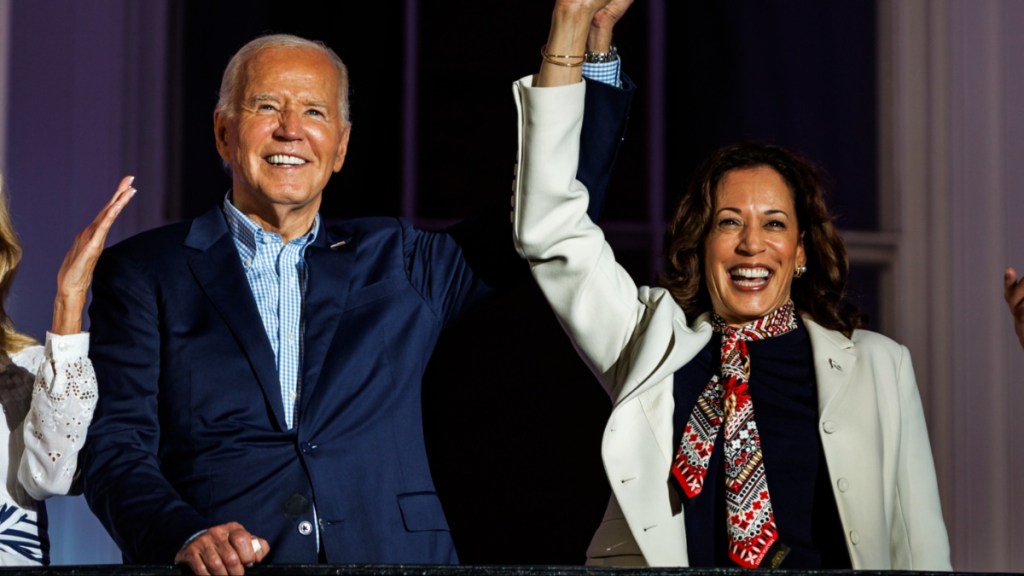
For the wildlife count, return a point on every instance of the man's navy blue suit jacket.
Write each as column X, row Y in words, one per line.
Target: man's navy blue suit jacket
column 190, row 432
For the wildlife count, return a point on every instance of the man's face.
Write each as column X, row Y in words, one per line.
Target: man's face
column 286, row 135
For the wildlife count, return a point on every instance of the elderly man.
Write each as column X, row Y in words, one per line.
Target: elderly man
column 260, row 372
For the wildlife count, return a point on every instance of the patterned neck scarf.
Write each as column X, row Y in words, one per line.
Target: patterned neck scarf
column 750, row 519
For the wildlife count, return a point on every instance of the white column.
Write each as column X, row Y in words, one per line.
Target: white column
column 980, row 319
column 914, row 199
column 951, row 127
column 1008, row 243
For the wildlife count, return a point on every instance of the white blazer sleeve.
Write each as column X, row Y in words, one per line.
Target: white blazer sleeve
column 593, row 297
column 63, row 400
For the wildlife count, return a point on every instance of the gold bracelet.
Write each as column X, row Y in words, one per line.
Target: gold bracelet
column 553, row 58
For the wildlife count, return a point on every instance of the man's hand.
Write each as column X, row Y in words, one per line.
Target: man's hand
column 1014, row 294
column 224, row 549
column 602, row 24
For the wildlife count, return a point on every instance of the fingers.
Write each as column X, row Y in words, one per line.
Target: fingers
column 224, row 549
column 250, row 549
column 1013, row 291
column 77, row 268
column 89, row 242
column 614, row 10
column 122, row 188
column 603, row 23
column 105, row 219
column 1009, row 279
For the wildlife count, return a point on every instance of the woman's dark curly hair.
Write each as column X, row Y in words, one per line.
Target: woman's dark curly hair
column 820, row 292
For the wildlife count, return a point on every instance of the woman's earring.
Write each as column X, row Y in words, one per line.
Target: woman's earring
column 800, row 270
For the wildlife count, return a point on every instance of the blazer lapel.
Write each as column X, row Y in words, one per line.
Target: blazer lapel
column 330, row 262
column 835, row 359
column 214, row 261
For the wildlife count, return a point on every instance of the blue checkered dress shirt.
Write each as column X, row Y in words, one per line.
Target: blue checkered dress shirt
column 277, row 276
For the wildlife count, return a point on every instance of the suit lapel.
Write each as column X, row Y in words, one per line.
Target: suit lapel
column 330, row 260
column 214, row 261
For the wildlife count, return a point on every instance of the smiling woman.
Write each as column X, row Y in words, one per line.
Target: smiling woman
column 743, row 379
column 775, row 198
column 754, row 247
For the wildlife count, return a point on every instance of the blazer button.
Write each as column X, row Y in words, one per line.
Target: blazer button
column 305, row 528
column 844, row 484
column 854, row 537
column 829, row 426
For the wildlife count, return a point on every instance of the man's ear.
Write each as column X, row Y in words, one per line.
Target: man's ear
column 221, row 125
column 339, row 159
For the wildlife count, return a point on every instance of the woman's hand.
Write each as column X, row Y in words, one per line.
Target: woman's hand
column 571, row 25
column 75, row 273
column 1013, row 291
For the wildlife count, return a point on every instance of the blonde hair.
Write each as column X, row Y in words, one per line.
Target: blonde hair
column 10, row 257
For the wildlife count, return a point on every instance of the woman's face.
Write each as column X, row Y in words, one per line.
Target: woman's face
column 754, row 246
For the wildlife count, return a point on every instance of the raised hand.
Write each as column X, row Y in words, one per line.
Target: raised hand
column 602, row 24
column 75, row 273
column 577, row 26
column 1013, row 291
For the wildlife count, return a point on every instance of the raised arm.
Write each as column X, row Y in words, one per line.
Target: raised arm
column 485, row 236
column 64, row 393
column 596, row 301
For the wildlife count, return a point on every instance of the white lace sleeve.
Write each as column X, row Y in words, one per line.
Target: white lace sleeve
column 63, row 401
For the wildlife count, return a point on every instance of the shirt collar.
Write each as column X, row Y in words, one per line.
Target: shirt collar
column 247, row 234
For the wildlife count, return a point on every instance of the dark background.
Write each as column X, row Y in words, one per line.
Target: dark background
column 513, row 419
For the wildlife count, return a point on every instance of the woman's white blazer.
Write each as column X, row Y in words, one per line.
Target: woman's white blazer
column 871, row 421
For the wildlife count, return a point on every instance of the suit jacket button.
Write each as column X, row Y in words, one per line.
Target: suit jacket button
column 305, row 528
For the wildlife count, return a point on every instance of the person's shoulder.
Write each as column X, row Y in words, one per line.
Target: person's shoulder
column 374, row 231
column 875, row 347
column 865, row 342
column 368, row 225
column 146, row 252
column 153, row 239
column 871, row 339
